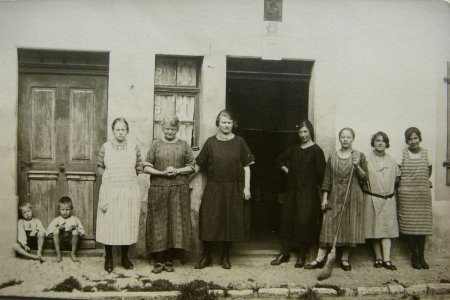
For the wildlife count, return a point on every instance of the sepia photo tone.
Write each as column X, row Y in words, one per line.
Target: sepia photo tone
column 199, row 149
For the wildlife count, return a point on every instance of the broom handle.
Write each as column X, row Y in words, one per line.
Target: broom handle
column 343, row 206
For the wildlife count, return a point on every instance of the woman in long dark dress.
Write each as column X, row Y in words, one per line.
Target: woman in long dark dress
column 301, row 215
column 226, row 159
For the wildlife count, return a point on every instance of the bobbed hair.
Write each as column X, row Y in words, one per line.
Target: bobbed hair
column 66, row 200
column 308, row 125
column 410, row 131
column 383, row 135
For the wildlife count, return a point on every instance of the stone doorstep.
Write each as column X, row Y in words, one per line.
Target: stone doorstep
column 267, row 293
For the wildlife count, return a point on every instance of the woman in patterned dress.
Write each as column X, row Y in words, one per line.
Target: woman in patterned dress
column 169, row 161
column 334, row 187
column 381, row 208
column 119, row 162
column 301, row 216
column 226, row 159
column 415, row 215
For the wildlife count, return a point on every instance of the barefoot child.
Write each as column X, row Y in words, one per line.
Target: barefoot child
column 30, row 234
column 66, row 229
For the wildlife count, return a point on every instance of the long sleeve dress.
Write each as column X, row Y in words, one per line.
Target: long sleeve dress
column 301, row 215
column 415, row 214
column 169, row 203
column 119, row 196
column 335, row 182
column 380, row 213
column 222, row 206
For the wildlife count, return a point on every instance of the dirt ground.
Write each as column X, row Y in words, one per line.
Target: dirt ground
column 21, row 277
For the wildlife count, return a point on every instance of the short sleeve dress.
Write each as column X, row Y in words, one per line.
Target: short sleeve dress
column 169, row 203
column 222, row 206
column 119, row 196
column 335, row 182
column 415, row 214
column 301, row 215
column 381, row 214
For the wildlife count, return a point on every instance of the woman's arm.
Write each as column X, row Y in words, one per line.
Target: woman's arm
column 100, row 170
column 149, row 169
column 247, row 194
column 360, row 165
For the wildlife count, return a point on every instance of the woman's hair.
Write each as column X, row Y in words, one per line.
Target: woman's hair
column 66, row 200
column 117, row 120
column 171, row 121
column 383, row 135
column 22, row 207
column 348, row 129
column 410, row 131
column 226, row 113
column 308, row 125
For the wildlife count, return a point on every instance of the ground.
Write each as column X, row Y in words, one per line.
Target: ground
column 27, row 278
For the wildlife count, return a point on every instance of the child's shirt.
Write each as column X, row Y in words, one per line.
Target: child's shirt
column 33, row 226
column 68, row 224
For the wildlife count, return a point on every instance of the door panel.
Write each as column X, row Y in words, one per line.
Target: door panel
column 62, row 124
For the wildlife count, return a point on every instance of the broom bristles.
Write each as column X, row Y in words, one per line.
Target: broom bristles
column 326, row 272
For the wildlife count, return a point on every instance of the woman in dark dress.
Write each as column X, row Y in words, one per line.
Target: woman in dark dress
column 226, row 159
column 301, row 215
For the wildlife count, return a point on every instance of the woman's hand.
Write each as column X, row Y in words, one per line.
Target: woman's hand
column 171, row 171
column 247, row 194
column 356, row 159
column 324, row 204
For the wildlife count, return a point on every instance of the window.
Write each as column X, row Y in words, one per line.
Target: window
column 177, row 92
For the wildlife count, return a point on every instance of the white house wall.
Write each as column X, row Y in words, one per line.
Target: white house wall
column 378, row 66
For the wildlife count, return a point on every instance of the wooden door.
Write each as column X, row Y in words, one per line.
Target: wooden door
column 62, row 125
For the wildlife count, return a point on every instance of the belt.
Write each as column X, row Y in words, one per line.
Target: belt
column 379, row 196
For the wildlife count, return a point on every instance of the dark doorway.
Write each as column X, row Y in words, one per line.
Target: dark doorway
column 268, row 98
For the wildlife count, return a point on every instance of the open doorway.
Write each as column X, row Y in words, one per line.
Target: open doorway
column 267, row 98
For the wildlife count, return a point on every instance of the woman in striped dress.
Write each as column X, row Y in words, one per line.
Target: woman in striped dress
column 415, row 215
column 334, row 187
column 119, row 162
column 169, row 161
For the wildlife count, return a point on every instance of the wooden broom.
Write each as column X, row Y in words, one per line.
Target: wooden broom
column 328, row 269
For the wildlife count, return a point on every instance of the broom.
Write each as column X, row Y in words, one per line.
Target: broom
column 326, row 272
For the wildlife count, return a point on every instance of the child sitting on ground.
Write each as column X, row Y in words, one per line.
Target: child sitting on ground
column 66, row 230
column 30, row 234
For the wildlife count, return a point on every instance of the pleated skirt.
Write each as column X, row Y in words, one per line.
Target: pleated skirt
column 119, row 224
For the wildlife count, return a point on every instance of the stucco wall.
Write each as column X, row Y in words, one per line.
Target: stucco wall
column 378, row 66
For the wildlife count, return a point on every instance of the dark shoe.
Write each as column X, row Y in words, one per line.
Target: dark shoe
column 226, row 264
column 378, row 263
column 158, row 268
column 423, row 263
column 109, row 265
column 315, row 265
column 388, row 265
column 126, row 263
column 168, row 267
column 281, row 258
column 300, row 262
column 415, row 262
column 203, row 263
column 345, row 265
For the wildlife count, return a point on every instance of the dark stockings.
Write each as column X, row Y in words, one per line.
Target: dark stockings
column 226, row 264
column 108, row 258
column 421, row 250
column 206, row 257
column 416, row 244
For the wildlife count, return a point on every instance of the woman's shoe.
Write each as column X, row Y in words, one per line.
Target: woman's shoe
column 315, row 265
column 378, row 263
column 423, row 263
column 168, row 267
column 281, row 258
column 203, row 263
column 345, row 265
column 415, row 262
column 300, row 262
column 157, row 268
column 109, row 265
column 226, row 264
column 126, row 263
column 388, row 265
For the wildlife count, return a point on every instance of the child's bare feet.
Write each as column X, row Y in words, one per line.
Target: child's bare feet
column 58, row 257
column 74, row 257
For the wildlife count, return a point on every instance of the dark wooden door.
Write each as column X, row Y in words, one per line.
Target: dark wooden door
column 62, row 125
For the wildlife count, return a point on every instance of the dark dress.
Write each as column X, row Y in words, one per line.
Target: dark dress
column 169, row 204
column 301, row 215
column 222, row 208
